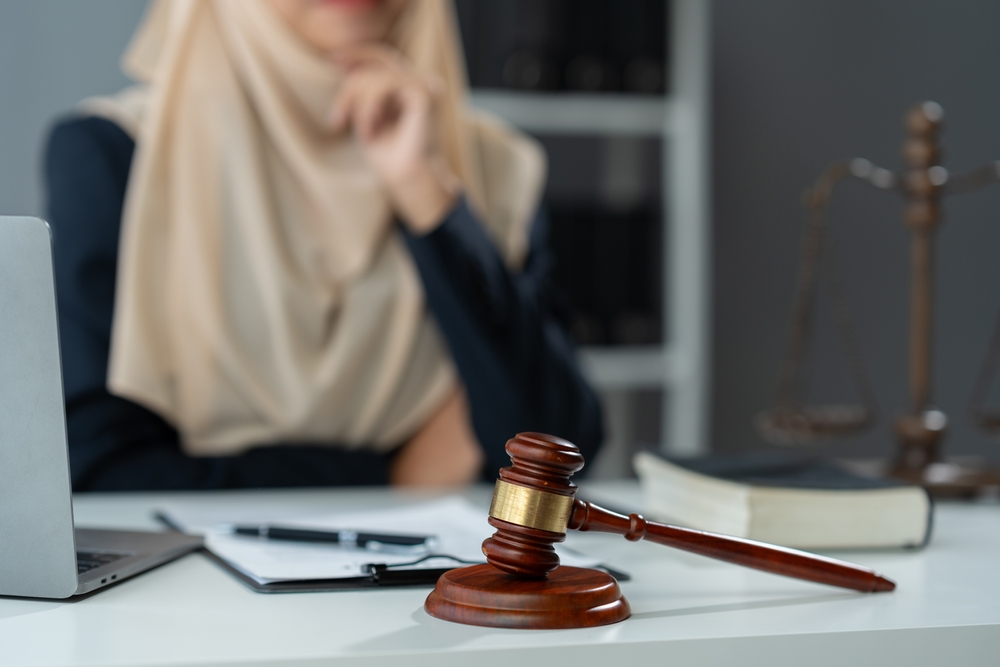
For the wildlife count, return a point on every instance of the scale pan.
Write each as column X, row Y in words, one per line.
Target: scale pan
column 801, row 426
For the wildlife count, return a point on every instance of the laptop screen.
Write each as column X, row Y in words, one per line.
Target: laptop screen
column 36, row 516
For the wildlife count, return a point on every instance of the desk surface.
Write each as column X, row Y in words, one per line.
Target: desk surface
column 686, row 609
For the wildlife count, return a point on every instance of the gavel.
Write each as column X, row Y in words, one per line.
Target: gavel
column 534, row 504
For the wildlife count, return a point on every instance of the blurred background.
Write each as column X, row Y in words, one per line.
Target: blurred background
column 680, row 138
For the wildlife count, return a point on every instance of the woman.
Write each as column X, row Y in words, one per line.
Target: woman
column 317, row 267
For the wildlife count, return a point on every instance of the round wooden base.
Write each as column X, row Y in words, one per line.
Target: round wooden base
column 571, row 597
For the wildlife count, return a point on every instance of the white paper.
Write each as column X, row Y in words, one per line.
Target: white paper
column 458, row 526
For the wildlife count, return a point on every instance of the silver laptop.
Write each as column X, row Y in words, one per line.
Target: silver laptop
column 41, row 555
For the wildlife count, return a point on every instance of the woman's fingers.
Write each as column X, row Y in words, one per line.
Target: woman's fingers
column 362, row 55
column 360, row 90
column 391, row 109
column 377, row 107
column 373, row 55
column 373, row 99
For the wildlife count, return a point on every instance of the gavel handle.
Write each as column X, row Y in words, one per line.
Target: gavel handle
column 758, row 555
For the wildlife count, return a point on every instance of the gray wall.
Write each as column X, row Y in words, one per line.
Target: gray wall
column 53, row 53
column 797, row 86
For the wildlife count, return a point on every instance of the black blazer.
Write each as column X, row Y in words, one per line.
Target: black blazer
column 512, row 353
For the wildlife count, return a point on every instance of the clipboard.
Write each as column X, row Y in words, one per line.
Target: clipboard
column 315, row 574
column 381, row 576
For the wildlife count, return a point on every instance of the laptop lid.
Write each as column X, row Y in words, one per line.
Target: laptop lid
column 36, row 512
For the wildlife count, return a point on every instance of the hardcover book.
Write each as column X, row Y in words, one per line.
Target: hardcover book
column 792, row 501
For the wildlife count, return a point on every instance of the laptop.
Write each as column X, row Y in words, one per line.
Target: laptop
column 41, row 554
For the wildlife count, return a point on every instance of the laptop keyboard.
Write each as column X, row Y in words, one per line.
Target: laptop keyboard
column 88, row 560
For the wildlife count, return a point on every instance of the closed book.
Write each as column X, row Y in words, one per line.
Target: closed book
column 792, row 501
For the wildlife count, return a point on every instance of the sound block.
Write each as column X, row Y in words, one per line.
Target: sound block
column 571, row 597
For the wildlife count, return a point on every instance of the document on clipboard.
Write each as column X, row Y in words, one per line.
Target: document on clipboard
column 455, row 526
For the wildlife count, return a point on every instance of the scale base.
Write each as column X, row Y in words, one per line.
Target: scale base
column 953, row 478
column 571, row 597
column 957, row 477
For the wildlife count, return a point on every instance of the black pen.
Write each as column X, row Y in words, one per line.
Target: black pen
column 347, row 538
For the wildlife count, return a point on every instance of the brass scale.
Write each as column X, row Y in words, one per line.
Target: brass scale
column 792, row 421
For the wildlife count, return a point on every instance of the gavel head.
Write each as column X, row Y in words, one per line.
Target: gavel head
column 532, row 504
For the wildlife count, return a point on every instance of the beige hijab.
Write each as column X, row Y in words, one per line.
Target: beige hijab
column 264, row 292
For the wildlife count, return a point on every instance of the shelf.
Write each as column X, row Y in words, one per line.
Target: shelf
column 627, row 367
column 682, row 120
column 572, row 113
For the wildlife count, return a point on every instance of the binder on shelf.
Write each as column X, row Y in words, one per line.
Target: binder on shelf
column 579, row 45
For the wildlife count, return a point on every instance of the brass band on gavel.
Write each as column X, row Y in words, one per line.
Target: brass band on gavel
column 530, row 507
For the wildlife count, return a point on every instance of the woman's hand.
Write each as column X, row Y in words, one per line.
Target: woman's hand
column 443, row 453
column 392, row 110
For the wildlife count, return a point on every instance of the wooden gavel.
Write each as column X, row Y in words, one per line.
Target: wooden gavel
column 534, row 504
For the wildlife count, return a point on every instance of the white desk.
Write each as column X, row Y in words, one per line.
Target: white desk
column 686, row 610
